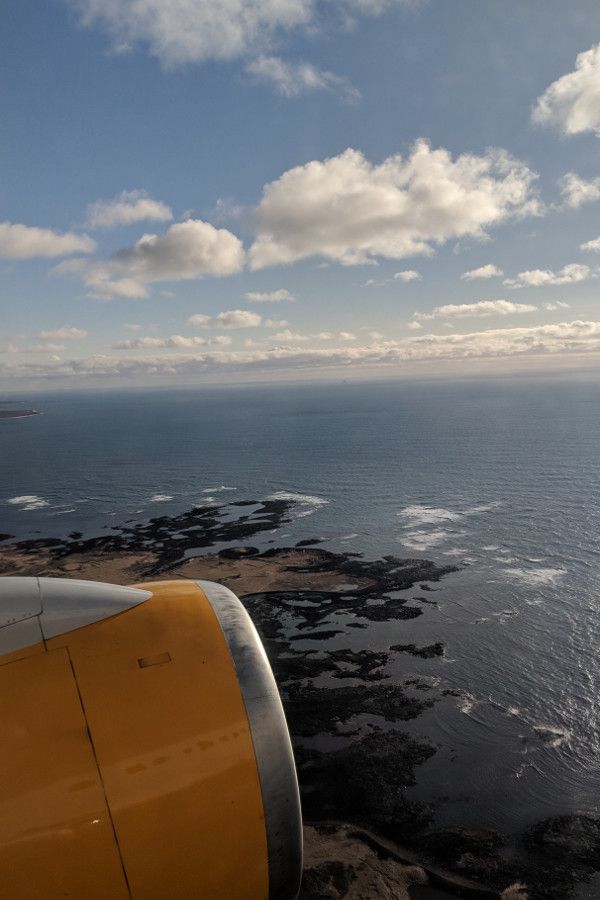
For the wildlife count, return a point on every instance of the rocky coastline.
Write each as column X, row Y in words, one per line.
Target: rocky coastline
column 345, row 712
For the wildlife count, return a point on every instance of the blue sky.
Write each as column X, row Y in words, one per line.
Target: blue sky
column 183, row 178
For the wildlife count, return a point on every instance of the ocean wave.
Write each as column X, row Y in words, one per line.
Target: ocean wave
column 467, row 703
column 551, row 735
column 425, row 522
column 28, row 502
column 428, row 515
column 424, row 540
column 160, row 498
column 307, row 503
column 535, row 577
column 217, row 490
column 422, row 514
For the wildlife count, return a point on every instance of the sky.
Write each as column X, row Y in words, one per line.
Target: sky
column 204, row 191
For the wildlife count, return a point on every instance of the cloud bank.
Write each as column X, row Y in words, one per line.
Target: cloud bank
column 576, row 337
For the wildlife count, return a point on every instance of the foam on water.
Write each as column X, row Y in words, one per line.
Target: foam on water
column 28, row 502
column 424, row 540
column 160, row 498
column 427, row 515
column 307, row 503
column 535, row 577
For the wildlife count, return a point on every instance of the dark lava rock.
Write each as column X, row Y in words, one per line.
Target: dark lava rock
column 365, row 782
column 312, row 711
column 573, row 840
column 238, row 552
column 364, row 664
column 316, row 636
column 449, row 845
column 424, row 652
column 327, row 881
column 312, row 542
column 169, row 537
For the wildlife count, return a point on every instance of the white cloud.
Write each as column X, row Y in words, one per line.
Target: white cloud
column 125, row 209
column 186, row 250
column 290, row 336
column 558, row 304
column 293, row 337
column 101, row 288
column 347, row 336
column 200, row 320
column 232, row 318
column 572, row 103
column 27, row 242
column 191, row 31
column 349, row 210
column 408, row 275
column 293, row 79
column 482, row 308
column 175, row 341
column 132, row 326
column 414, row 326
column 483, row 272
column 276, row 323
column 195, row 30
column 238, row 318
column 576, row 191
column 269, row 297
column 593, row 246
column 376, row 335
column 63, row 334
column 571, row 274
column 46, row 347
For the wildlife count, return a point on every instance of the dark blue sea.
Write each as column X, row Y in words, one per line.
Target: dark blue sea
column 501, row 478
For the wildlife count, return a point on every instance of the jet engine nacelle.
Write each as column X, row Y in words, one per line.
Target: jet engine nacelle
column 144, row 751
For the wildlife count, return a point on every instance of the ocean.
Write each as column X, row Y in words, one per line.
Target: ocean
column 499, row 477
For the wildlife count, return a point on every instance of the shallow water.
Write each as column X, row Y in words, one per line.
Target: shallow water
column 500, row 478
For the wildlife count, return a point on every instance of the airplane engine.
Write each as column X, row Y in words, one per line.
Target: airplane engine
column 144, row 752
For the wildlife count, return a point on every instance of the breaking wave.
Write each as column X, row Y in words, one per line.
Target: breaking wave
column 306, row 503
column 28, row 502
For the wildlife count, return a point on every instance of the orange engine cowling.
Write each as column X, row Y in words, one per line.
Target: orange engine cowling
column 144, row 751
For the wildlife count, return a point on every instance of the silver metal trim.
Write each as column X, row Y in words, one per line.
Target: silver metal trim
column 19, row 599
column 58, row 606
column 270, row 735
column 69, row 603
